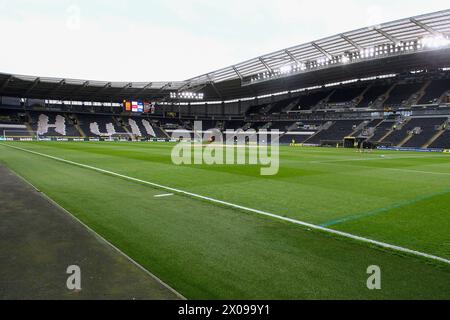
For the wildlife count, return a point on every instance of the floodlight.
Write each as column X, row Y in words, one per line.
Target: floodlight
column 286, row 69
column 435, row 42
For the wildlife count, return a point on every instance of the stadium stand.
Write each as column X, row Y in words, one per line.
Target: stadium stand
column 280, row 106
column 435, row 91
column 336, row 132
column 367, row 128
column 426, row 129
column 345, row 95
column 314, row 116
column 310, row 100
column 401, row 93
column 372, row 94
column 52, row 124
column 443, row 141
column 381, row 130
column 419, row 129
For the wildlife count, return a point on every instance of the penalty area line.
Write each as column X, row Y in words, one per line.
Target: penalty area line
column 243, row 208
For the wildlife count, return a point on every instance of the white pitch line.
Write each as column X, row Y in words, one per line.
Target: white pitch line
column 377, row 158
column 89, row 229
column 163, row 195
column 382, row 168
column 236, row 206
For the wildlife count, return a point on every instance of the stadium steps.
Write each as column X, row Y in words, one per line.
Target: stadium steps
column 360, row 98
column 324, row 127
column 434, row 138
column 291, row 105
column 77, row 126
column 292, row 127
column 382, row 99
column 444, row 95
column 266, row 126
column 378, row 124
column 359, row 128
column 415, row 98
column 387, row 133
column 397, row 128
column 28, row 124
column 323, row 102
column 121, row 125
column 374, row 130
column 162, row 130
column 29, row 128
column 404, row 141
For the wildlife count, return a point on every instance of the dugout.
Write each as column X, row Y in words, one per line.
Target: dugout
column 350, row 142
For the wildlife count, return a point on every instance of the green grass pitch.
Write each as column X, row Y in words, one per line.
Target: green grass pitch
column 210, row 251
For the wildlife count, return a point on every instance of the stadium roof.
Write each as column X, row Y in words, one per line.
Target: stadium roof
column 266, row 74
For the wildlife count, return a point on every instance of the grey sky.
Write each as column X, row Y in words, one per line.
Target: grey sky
column 133, row 40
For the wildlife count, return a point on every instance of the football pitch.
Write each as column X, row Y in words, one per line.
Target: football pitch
column 203, row 229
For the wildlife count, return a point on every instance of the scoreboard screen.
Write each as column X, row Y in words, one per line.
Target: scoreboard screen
column 133, row 106
column 138, row 106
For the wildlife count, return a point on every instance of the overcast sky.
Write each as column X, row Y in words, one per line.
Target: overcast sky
column 151, row 40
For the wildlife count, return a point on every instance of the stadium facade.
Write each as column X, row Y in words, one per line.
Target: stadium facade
column 386, row 85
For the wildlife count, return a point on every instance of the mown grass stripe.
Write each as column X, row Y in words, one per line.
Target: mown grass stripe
column 260, row 212
column 384, row 209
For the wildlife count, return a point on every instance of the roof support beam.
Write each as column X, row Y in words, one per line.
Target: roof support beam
column 326, row 54
column 353, row 43
column 147, row 86
column 425, row 27
column 237, row 72
column 294, row 59
column 106, row 86
column 57, row 87
column 215, row 89
column 167, row 85
column 187, row 84
column 77, row 90
column 160, row 91
column 388, row 36
column 265, row 64
column 32, row 86
column 6, row 83
column 128, row 85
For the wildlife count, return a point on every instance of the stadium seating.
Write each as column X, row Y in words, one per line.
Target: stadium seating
column 314, row 116
column 281, row 125
column 443, row 141
column 343, row 95
column 96, row 126
column 428, row 128
column 336, row 132
column 434, row 91
column 279, row 106
column 139, row 127
column 367, row 128
column 310, row 100
column 382, row 129
column 372, row 94
column 425, row 127
column 52, row 125
column 401, row 93
column 234, row 124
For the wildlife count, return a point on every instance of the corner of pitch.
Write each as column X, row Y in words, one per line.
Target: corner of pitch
column 230, row 147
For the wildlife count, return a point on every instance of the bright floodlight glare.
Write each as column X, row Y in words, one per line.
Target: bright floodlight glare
column 286, row 69
column 345, row 59
column 435, row 42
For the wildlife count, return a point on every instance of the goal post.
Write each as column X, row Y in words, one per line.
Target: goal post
column 18, row 134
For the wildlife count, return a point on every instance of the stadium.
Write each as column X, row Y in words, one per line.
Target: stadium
column 357, row 122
